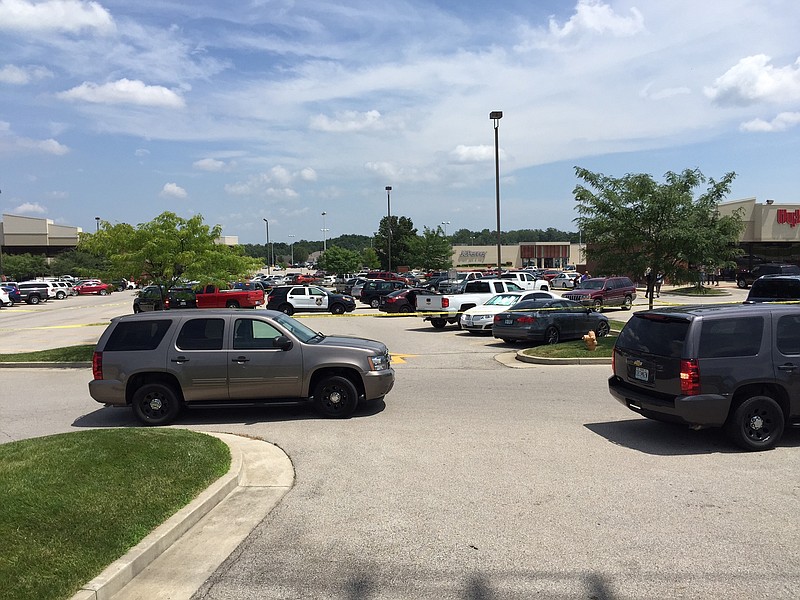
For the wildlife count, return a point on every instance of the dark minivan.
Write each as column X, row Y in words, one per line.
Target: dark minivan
column 730, row 366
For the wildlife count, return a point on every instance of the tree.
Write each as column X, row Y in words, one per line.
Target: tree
column 79, row 264
column 633, row 222
column 369, row 258
column 20, row 267
column 403, row 231
column 339, row 261
column 168, row 249
column 432, row 251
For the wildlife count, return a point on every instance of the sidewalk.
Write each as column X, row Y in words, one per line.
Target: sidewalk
column 179, row 555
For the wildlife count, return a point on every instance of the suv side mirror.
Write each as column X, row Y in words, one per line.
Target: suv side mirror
column 282, row 342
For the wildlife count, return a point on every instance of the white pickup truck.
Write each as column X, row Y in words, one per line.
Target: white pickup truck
column 526, row 280
column 441, row 309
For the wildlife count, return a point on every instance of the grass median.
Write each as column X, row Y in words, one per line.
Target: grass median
column 73, row 503
column 66, row 354
column 577, row 348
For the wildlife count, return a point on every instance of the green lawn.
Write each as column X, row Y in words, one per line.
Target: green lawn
column 574, row 349
column 67, row 354
column 73, row 503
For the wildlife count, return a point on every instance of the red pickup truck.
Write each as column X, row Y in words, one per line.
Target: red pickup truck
column 211, row 296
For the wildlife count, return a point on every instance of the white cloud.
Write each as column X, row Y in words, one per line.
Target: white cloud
column 124, row 91
column 12, row 143
column 782, row 122
column 282, row 192
column 471, row 154
column 140, row 152
column 753, row 79
column 30, row 208
column 308, row 174
column 275, row 182
column 210, row 164
column 173, row 190
column 15, row 75
column 59, row 15
column 347, row 121
column 664, row 93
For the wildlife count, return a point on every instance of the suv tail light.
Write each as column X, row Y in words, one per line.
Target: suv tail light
column 97, row 365
column 690, row 377
column 445, row 302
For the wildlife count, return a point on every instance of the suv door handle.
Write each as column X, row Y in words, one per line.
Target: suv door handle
column 787, row 367
column 240, row 360
column 180, row 360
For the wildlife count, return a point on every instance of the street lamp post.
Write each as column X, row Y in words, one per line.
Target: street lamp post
column 389, row 227
column 445, row 223
column 495, row 116
column 291, row 237
column 324, row 233
column 97, row 223
column 269, row 262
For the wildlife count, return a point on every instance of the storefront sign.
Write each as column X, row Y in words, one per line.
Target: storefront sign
column 790, row 217
column 474, row 256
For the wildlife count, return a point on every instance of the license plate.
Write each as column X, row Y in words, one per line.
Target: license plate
column 641, row 374
column 509, row 321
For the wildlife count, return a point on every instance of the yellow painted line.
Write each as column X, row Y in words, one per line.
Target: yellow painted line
column 399, row 358
column 45, row 327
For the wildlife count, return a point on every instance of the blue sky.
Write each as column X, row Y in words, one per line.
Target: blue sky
column 285, row 109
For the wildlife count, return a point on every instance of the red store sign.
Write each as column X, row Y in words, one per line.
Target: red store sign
column 790, row 217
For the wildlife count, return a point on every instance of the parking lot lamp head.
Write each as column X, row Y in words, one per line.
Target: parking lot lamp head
column 266, row 223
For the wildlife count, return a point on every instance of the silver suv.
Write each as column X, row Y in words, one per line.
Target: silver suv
column 160, row 362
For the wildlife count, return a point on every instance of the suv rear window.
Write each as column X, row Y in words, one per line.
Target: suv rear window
column 774, row 289
column 137, row 335
column 721, row 338
column 657, row 335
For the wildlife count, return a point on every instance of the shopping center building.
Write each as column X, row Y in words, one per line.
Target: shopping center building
column 771, row 233
column 543, row 255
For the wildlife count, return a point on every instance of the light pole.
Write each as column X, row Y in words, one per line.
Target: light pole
column 445, row 223
column 97, row 223
column 292, row 247
column 389, row 227
column 495, row 116
column 269, row 262
column 324, row 232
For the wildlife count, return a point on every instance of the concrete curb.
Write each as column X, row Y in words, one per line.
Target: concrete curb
column 122, row 571
column 45, row 365
column 562, row 361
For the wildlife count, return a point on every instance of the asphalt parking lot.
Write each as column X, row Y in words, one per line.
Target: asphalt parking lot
column 472, row 480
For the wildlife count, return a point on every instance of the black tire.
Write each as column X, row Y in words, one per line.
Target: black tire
column 756, row 424
column 136, row 309
column 337, row 309
column 231, row 304
column 742, row 283
column 438, row 323
column 103, row 292
column 602, row 329
column 335, row 396
column 551, row 336
column 627, row 303
column 598, row 305
column 374, row 303
column 406, row 309
column 60, row 295
column 286, row 309
column 34, row 299
column 156, row 404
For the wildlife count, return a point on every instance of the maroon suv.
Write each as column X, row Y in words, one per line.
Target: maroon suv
column 601, row 292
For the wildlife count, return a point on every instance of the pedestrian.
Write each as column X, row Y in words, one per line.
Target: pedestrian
column 659, row 281
column 717, row 274
column 585, row 276
column 648, row 278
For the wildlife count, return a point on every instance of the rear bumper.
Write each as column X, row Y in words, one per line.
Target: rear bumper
column 107, row 391
column 704, row 410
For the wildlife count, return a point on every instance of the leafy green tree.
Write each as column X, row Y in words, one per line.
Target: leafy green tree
column 20, row 267
column 168, row 249
column 432, row 251
column 633, row 222
column 339, row 261
column 79, row 264
column 402, row 233
column 369, row 258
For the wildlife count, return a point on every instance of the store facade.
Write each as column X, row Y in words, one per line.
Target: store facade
column 771, row 233
column 543, row 255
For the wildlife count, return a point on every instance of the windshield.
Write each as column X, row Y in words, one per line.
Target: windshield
column 592, row 284
column 503, row 300
column 303, row 333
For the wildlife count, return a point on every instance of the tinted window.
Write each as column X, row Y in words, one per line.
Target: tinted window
column 137, row 335
column 775, row 289
column 789, row 334
column 731, row 337
column 252, row 334
column 656, row 335
column 201, row 334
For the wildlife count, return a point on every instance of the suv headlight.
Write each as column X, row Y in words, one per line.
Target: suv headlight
column 379, row 362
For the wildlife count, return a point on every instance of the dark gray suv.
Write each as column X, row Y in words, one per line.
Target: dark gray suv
column 159, row 362
column 730, row 366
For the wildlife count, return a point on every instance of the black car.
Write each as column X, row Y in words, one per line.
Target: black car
column 375, row 288
column 729, row 366
column 549, row 321
column 290, row 299
column 746, row 278
column 775, row 288
column 153, row 297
